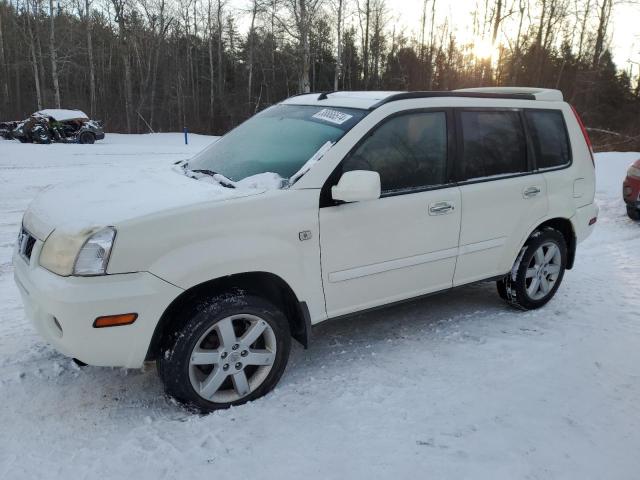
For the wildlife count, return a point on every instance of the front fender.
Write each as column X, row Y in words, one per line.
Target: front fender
column 248, row 234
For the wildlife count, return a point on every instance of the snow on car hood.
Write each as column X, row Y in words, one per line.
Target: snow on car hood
column 76, row 207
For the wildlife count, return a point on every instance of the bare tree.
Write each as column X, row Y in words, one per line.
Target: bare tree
column 54, row 55
column 120, row 17
column 302, row 13
column 338, row 72
column 84, row 12
column 583, row 28
column 497, row 19
column 219, row 26
column 603, row 22
column 257, row 7
column 4, row 71
column 364, row 34
column 431, row 46
column 35, row 65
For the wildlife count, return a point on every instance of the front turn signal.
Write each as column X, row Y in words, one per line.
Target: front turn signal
column 115, row 320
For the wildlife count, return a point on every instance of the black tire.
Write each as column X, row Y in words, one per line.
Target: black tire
column 515, row 291
column 87, row 138
column 22, row 140
column 633, row 212
column 178, row 345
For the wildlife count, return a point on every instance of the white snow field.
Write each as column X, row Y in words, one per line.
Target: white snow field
column 454, row 386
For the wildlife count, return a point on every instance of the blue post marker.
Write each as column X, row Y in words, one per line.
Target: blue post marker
column 186, row 136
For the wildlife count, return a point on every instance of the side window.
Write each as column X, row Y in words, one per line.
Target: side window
column 549, row 137
column 493, row 143
column 408, row 151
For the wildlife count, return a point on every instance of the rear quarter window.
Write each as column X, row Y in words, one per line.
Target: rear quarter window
column 549, row 138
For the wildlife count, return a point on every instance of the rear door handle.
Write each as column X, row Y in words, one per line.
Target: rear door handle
column 531, row 192
column 441, row 208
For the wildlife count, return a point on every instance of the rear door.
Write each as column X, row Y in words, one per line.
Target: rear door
column 405, row 243
column 501, row 195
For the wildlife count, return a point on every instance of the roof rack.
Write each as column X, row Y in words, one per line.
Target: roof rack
column 548, row 94
column 453, row 93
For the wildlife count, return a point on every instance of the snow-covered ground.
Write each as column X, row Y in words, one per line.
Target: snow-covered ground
column 454, row 386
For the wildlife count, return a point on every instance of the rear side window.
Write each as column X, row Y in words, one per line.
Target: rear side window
column 549, row 137
column 408, row 151
column 493, row 143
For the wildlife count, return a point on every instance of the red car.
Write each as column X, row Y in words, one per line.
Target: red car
column 631, row 191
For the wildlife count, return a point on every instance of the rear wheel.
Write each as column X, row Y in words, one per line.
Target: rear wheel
column 633, row 212
column 538, row 271
column 232, row 349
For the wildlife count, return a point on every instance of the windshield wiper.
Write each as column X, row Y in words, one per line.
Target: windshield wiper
column 218, row 177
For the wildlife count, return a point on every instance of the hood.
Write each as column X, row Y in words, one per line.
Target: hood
column 81, row 206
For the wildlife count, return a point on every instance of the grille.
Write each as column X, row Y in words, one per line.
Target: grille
column 26, row 241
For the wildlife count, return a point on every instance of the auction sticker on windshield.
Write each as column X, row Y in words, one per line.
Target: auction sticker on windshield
column 332, row 116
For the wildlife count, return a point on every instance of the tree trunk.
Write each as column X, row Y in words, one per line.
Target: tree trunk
column 583, row 29
column 338, row 72
column 274, row 5
column 92, row 67
column 119, row 6
column 54, row 55
column 603, row 20
column 4, row 71
column 40, row 57
column 515, row 61
column 220, row 50
column 211, row 69
column 431, row 47
column 34, row 61
column 251, row 38
column 496, row 21
column 365, row 45
column 303, row 27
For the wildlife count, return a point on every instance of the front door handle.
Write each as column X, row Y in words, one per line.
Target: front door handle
column 441, row 208
column 531, row 192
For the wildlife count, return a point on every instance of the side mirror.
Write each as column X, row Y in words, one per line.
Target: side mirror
column 357, row 186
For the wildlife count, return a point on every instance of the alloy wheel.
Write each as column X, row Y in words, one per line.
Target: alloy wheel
column 232, row 358
column 543, row 270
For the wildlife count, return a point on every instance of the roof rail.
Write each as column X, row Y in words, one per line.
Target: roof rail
column 548, row 94
column 452, row 93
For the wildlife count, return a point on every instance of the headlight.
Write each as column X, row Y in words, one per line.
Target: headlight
column 86, row 254
column 633, row 172
column 94, row 254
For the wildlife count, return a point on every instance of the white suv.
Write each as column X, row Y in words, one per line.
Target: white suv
column 319, row 207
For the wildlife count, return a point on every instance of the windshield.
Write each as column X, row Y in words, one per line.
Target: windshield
column 280, row 139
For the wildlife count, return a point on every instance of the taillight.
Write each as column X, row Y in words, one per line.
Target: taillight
column 584, row 133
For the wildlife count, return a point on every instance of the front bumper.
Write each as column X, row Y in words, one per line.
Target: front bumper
column 63, row 310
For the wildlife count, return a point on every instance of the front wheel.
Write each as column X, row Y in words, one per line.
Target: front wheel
column 87, row 138
column 232, row 349
column 538, row 271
